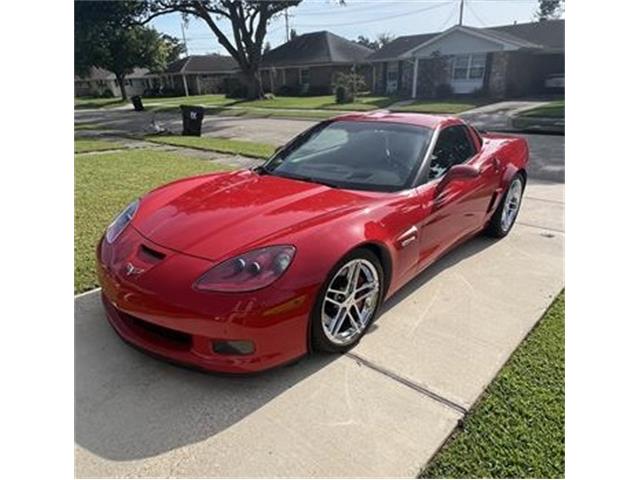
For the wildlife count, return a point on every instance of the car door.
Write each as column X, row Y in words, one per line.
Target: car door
column 458, row 208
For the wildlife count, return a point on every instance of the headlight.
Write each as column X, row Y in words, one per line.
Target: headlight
column 249, row 271
column 121, row 221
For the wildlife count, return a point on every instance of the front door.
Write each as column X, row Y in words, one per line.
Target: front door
column 393, row 74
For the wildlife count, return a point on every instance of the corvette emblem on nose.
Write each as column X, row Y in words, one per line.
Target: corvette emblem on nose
column 130, row 269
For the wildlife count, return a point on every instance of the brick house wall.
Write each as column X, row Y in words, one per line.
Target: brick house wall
column 515, row 74
column 321, row 78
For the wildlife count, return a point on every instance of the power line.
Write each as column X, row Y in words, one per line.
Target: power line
column 475, row 15
column 452, row 13
column 388, row 17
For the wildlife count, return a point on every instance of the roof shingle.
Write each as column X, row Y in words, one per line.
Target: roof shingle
column 203, row 64
column 316, row 48
column 546, row 35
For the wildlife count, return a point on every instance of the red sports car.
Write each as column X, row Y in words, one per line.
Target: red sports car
column 242, row 271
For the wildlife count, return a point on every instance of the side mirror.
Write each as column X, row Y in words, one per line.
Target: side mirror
column 458, row 172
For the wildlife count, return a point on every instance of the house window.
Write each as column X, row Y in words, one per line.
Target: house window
column 304, row 76
column 469, row 66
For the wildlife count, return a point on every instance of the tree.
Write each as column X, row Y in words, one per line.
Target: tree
column 365, row 42
column 105, row 37
column 175, row 47
column 384, row 38
column 248, row 20
column 549, row 9
column 381, row 40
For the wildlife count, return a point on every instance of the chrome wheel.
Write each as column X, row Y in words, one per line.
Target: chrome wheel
column 511, row 205
column 350, row 301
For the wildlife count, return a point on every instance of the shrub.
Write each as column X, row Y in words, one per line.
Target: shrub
column 343, row 95
column 444, row 90
column 315, row 90
column 106, row 93
column 347, row 86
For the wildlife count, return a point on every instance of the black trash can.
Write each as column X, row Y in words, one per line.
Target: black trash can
column 137, row 103
column 192, row 120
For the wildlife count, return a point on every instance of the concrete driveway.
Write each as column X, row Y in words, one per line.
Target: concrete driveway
column 382, row 410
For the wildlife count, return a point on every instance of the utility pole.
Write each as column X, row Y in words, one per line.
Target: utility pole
column 286, row 22
column 184, row 39
column 461, row 12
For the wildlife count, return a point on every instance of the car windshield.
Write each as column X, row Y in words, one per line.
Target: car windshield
column 378, row 156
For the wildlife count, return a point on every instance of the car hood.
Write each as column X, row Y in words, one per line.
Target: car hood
column 215, row 215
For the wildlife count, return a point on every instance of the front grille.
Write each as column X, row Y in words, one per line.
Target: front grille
column 178, row 340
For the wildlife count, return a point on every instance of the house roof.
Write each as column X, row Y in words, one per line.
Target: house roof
column 316, row 48
column 402, row 44
column 548, row 35
column 203, row 64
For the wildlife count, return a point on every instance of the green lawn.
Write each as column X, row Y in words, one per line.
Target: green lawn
column 106, row 183
column 550, row 110
column 439, row 106
column 323, row 102
column 204, row 100
column 517, row 428
column 223, row 145
column 89, row 102
column 83, row 145
column 87, row 126
column 316, row 104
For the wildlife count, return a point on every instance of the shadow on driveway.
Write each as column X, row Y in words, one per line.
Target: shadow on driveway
column 131, row 406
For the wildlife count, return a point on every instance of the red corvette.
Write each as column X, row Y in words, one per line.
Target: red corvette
column 242, row 271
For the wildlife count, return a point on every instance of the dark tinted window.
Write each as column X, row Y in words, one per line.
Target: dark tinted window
column 355, row 154
column 454, row 146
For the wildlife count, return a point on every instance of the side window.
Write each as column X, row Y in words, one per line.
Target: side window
column 454, row 146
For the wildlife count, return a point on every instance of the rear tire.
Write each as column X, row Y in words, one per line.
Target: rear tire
column 348, row 302
column 504, row 217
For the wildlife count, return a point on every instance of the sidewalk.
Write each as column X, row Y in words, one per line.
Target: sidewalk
column 504, row 116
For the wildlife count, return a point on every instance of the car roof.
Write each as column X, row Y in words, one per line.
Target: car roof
column 419, row 119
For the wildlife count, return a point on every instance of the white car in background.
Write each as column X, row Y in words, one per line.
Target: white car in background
column 555, row 81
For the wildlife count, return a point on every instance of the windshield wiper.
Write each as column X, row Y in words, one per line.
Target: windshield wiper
column 261, row 170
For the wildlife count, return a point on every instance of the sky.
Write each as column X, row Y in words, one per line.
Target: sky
column 363, row 17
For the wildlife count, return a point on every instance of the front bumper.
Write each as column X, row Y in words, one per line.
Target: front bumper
column 155, row 308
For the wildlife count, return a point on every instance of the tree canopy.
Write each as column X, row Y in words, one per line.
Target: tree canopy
column 549, row 9
column 380, row 41
column 106, row 36
column 248, row 20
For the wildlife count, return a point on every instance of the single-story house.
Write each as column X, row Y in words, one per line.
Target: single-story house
column 505, row 61
column 100, row 80
column 197, row 75
column 309, row 63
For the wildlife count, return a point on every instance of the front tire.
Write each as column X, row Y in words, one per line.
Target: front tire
column 504, row 217
column 348, row 302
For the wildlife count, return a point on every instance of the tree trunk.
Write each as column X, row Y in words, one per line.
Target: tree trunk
column 123, row 91
column 253, row 82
